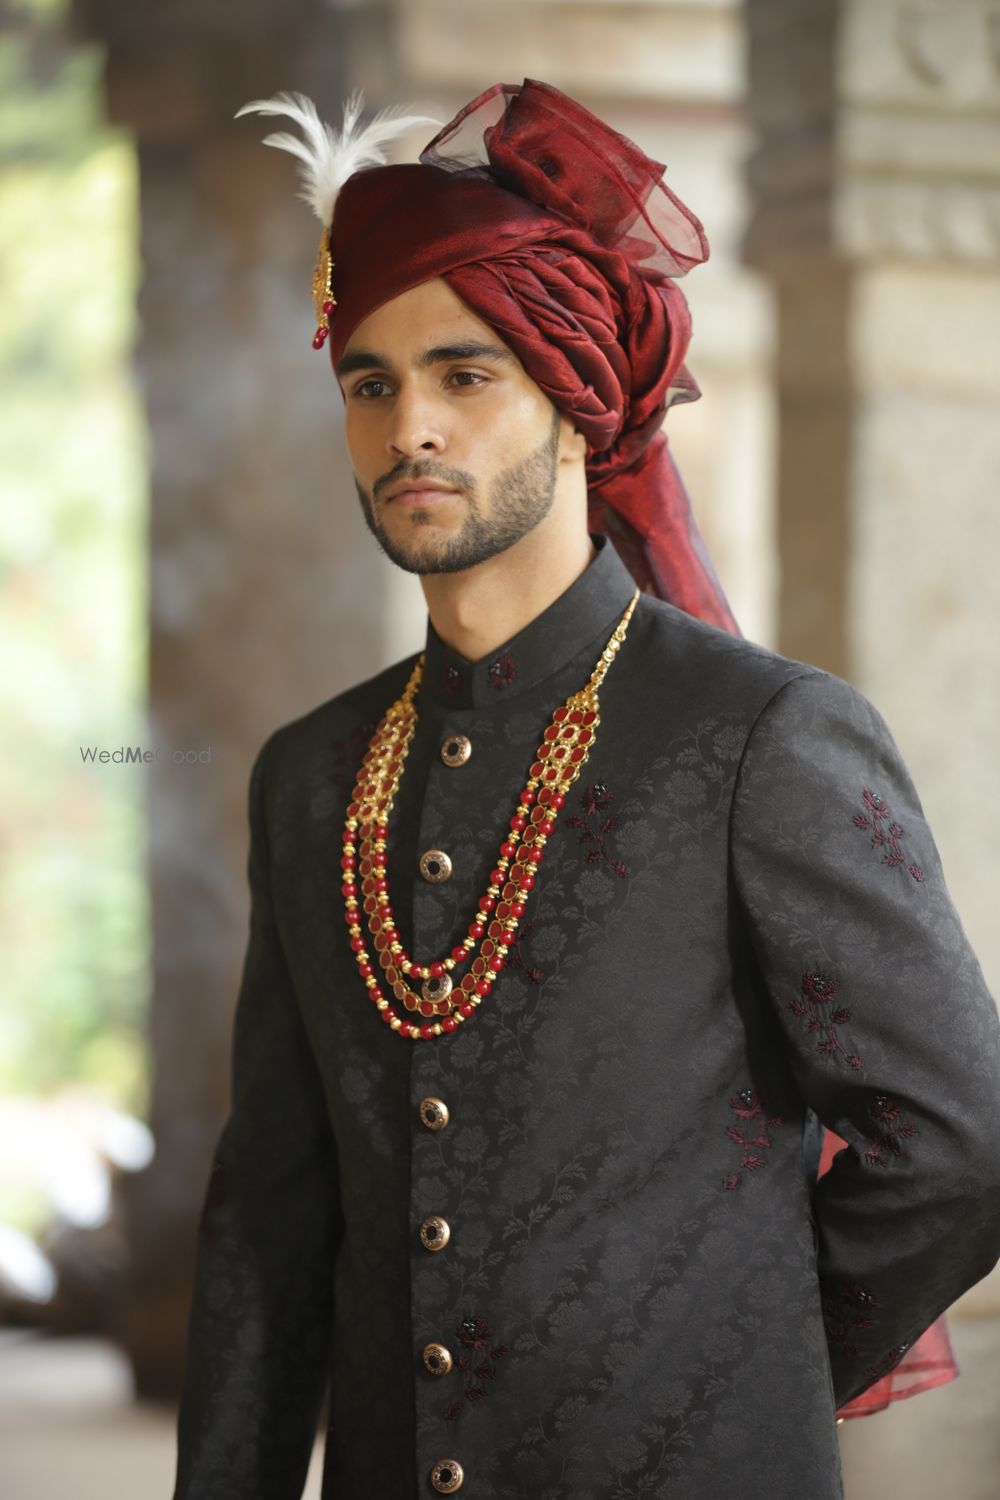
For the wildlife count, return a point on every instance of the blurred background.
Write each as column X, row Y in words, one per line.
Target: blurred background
column 183, row 564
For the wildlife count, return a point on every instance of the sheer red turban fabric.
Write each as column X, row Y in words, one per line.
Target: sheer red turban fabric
column 562, row 235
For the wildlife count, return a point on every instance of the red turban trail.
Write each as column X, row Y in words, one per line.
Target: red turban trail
column 562, row 235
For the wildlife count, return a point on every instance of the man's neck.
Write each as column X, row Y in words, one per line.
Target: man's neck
column 476, row 611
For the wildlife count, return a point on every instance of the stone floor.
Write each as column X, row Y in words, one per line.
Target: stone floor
column 68, row 1428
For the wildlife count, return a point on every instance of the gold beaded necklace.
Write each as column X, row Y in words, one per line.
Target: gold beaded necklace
column 560, row 758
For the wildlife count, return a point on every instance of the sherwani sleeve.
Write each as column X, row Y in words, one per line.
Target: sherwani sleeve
column 892, row 1035
column 261, row 1311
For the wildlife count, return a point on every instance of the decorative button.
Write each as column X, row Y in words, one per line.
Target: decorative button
column 456, row 750
column 437, row 1359
column 433, row 1113
column 435, row 1233
column 435, row 866
column 447, row 1475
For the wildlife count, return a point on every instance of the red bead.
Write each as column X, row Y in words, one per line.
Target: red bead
column 557, row 799
column 517, row 908
column 388, row 1014
column 405, row 1029
column 507, row 848
column 328, row 307
column 381, row 831
column 466, row 1008
column 497, row 963
column 526, row 882
column 449, row 1024
column 365, row 970
column 348, row 888
column 320, row 338
column 476, row 929
column 458, row 954
column 518, row 822
column 352, row 916
column 357, row 944
column 528, row 795
column 382, row 884
column 483, row 987
column 537, row 854
column 437, row 969
column 427, row 1031
column 348, row 862
column 495, row 877
column 486, row 903
column 375, row 994
column 386, row 910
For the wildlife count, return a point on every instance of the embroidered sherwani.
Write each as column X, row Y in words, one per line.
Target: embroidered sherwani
column 741, row 924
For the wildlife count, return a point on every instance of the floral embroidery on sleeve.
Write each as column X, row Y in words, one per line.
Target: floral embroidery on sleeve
column 816, row 1006
column 848, row 1314
column 888, row 1129
column 752, row 1133
column 874, row 820
column 502, row 671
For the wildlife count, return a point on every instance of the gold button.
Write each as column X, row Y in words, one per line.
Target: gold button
column 433, row 1113
column 456, row 750
column 447, row 1475
column 437, row 1359
column 435, row 1233
column 435, row 865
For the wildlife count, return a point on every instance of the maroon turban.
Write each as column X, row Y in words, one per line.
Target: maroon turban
column 562, row 235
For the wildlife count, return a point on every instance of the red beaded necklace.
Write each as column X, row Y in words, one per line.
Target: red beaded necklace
column 560, row 757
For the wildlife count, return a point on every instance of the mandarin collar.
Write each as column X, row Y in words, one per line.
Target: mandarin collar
column 595, row 601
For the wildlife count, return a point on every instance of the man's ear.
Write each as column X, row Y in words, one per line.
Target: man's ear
column 572, row 444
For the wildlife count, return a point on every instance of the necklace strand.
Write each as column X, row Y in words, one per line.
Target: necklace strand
column 442, row 1005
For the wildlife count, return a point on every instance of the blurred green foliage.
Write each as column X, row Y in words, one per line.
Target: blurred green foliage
column 73, row 905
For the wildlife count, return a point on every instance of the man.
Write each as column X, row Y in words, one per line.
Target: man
column 563, row 934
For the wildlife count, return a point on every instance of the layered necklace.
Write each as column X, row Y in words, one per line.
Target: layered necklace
column 440, row 1005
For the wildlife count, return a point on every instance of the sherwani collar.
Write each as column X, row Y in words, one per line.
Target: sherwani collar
column 549, row 642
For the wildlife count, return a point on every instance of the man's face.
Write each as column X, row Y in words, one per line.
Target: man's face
column 436, row 399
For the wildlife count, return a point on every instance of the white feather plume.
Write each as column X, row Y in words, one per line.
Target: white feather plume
column 328, row 157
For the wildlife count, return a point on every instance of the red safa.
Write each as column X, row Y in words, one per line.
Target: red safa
column 562, row 235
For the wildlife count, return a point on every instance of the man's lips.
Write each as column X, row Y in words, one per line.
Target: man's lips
column 419, row 492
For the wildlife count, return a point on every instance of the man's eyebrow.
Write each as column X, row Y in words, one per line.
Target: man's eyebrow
column 369, row 359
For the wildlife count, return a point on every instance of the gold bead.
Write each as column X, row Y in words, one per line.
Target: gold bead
column 382, row 1004
column 371, row 982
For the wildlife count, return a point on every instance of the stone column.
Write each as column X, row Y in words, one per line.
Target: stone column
column 876, row 188
column 261, row 574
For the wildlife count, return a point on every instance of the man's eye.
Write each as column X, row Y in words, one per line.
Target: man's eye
column 468, row 377
column 370, row 388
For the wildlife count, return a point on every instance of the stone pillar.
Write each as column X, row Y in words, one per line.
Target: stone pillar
column 876, row 188
column 261, row 574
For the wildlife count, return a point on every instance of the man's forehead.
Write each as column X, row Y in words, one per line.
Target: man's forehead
column 424, row 325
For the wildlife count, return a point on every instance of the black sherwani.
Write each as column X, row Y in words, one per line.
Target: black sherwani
column 741, row 920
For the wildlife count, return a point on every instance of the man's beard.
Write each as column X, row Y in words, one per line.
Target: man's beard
column 519, row 498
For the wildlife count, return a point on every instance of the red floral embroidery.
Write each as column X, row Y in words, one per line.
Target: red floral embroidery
column 848, row 1314
column 502, row 671
column 452, row 679
column 751, row 1134
column 594, row 830
column 816, row 1005
column 873, row 820
column 475, row 1334
column 889, row 1130
column 888, row 1362
column 515, row 959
